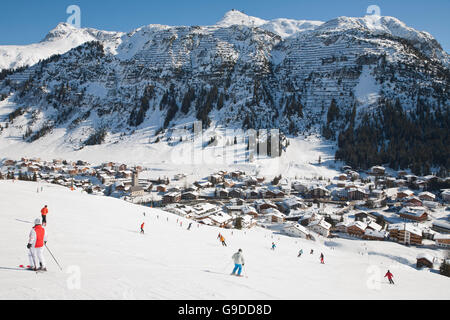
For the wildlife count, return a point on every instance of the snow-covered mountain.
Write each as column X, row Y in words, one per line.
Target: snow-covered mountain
column 58, row 41
column 241, row 72
column 96, row 241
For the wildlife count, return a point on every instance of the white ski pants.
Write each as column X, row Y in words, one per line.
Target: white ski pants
column 36, row 254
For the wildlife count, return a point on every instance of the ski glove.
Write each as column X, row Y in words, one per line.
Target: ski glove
column 29, row 246
column 45, row 242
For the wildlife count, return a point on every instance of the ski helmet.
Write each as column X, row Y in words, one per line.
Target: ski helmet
column 37, row 221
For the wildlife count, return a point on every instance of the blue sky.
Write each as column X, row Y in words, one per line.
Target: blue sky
column 27, row 21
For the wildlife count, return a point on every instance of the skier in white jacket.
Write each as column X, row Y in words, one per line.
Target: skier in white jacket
column 239, row 261
column 36, row 242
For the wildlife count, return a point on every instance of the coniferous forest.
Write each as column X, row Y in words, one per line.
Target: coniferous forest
column 416, row 139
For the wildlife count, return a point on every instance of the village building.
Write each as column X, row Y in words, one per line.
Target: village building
column 415, row 214
column 221, row 219
column 190, row 195
column 405, row 233
column 357, row 194
column 250, row 211
column 442, row 240
column 356, row 228
column 441, row 226
column 296, row 230
column 425, row 260
column 404, row 193
column 321, row 227
column 445, row 195
column 273, row 215
column 319, row 193
column 171, row 197
column 263, row 204
column 370, row 234
column 413, row 202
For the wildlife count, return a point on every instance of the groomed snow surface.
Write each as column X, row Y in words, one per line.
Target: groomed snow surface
column 96, row 240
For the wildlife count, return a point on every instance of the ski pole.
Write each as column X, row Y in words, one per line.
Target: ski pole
column 53, row 257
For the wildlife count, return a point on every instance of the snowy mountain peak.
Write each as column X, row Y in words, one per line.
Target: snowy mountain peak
column 235, row 17
column 63, row 29
column 282, row 27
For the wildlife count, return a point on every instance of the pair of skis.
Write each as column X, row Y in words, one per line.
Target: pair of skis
column 29, row 268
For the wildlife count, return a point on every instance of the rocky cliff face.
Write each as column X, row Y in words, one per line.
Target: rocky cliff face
column 241, row 72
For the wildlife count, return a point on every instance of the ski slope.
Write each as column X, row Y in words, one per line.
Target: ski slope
column 99, row 237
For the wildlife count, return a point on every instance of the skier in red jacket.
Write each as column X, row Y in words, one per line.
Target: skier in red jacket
column 142, row 227
column 389, row 275
column 44, row 212
column 36, row 243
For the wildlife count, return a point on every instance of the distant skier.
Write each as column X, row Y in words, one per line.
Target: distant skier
column 218, row 237
column 36, row 242
column 300, row 253
column 222, row 239
column 321, row 258
column 238, row 259
column 144, row 214
column 389, row 275
column 142, row 227
column 273, row 246
column 312, row 251
column 44, row 212
column 190, row 225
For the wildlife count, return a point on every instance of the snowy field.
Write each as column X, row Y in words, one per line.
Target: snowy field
column 96, row 240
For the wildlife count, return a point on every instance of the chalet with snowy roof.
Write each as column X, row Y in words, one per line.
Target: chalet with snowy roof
column 248, row 221
column 237, row 174
column 215, row 179
column 249, row 210
column 190, row 195
column 9, row 163
column 377, row 171
column 161, row 188
column 342, row 177
column 233, row 209
column 365, row 216
column 252, row 194
column 405, row 233
column 205, row 209
column 404, row 193
column 300, row 187
column 319, row 193
column 370, row 234
column 427, row 196
column 425, row 260
column 445, row 195
column 414, row 214
column 250, row 181
column 273, row 215
column 236, row 193
column 441, row 226
column 357, row 194
column 263, row 204
column 442, row 240
column 171, row 197
column 221, row 219
column 374, row 226
column 289, row 204
column 356, row 228
column 413, row 202
column 321, row 227
column 342, row 226
column 296, row 230
column 203, row 184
